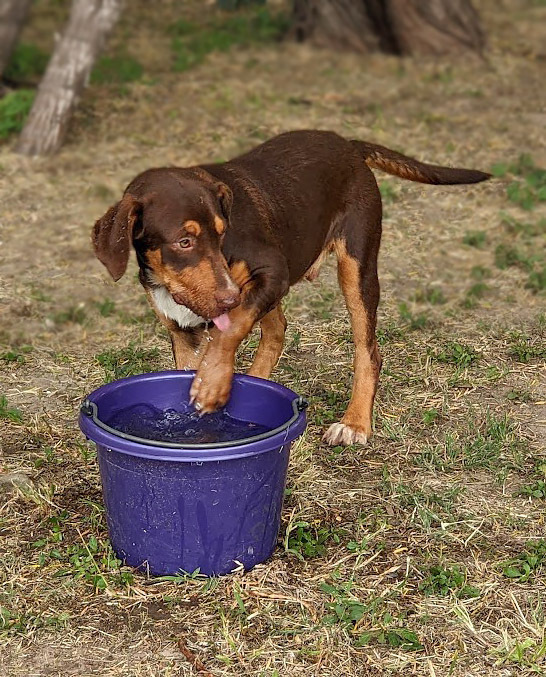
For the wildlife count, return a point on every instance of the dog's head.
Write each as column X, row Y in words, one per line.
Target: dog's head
column 176, row 223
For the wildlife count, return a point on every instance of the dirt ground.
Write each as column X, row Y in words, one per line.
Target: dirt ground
column 420, row 554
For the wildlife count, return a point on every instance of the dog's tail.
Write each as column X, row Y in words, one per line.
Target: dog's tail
column 408, row 168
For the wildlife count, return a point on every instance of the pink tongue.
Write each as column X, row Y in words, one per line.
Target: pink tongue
column 222, row 322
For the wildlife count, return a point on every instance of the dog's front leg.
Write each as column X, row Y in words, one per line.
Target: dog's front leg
column 260, row 291
column 212, row 383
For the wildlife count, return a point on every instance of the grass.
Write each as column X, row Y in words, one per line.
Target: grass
column 525, row 349
column 128, row 361
column 413, row 322
column 116, row 70
column 106, row 308
column 431, row 295
column 9, row 413
column 349, row 611
column 475, row 238
column 535, row 490
column 442, row 581
column 527, row 564
column 14, row 109
column 458, row 354
column 28, row 63
column 16, row 355
column 432, row 491
column 307, row 541
column 191, row 42
column 492, row 444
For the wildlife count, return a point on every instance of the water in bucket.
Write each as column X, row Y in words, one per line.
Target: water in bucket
column 168, row 425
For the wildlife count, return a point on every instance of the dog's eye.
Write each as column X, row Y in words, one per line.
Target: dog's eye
column 185, row 242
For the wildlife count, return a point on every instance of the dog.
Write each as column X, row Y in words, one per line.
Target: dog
column 223, row 243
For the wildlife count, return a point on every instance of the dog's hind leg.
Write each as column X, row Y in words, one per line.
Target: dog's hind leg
column 273, row 328
column 357, row 273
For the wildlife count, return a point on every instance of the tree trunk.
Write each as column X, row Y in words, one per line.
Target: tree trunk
column 436, row 26
column 67, row 74
column 395, row 26
column 13, row 14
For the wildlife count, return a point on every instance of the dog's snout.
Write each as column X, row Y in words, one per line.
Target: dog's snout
column 228, row 299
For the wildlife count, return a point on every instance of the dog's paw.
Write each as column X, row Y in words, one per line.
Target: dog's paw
column 342, row 434
column 210, row 390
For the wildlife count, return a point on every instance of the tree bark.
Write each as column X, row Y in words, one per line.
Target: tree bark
column 67, row 74
column 436, row 26
column 395, row 26
column 13, row 14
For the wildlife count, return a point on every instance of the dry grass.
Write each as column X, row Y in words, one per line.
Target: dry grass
column 460, row 411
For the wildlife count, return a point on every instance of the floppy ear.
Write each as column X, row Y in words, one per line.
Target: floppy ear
column 225, row 197
column 113, row 235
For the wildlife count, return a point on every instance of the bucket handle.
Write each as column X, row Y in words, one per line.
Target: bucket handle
column 90, row 409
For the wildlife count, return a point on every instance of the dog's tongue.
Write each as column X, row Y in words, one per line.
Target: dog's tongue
column 222, row 322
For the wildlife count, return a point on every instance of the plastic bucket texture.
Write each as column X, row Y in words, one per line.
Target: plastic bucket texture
column 211, row 507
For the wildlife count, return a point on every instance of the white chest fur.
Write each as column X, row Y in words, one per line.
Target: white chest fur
column 168, row 306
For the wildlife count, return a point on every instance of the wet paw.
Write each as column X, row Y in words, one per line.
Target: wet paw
column 342, row 434
column 209, row 393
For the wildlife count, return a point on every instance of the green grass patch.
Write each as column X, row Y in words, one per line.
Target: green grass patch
column 529, row 562
column 116, row 70
column 13, row 622
column 529, row 185
column 492, row 444
column 537, row 280
column 412, row 321
column 443, row 581
column 307, row 541
column 476, row 292
column 73, row 314
column 475, row 238
column 430, row 416
column 389, row 193
column 524, row 349
column 14, row 109
column 16, row 355
column 394, row 637
column 426, row 509
column 91, row 559
column 192, row 42
column 106, row 308
column 458, row 354
column 9, row 413
column 346, row 609
column 507, row 256
column 535, row 490
column 431, row 295
column 480, row 273
column 128, row 361
column 28, row 62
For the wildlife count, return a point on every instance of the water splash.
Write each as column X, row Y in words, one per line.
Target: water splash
column 188, row 425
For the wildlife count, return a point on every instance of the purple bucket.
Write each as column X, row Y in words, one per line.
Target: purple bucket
column 173, row 507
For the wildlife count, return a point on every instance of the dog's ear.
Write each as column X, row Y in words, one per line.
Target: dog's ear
column 225, row 198
column 113, row 235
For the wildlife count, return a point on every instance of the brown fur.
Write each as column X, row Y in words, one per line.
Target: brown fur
column 264, row 221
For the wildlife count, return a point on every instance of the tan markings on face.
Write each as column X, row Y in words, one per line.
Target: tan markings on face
column 240, row 273
column 196, row 284
column 192, row 227
column 367, row 361
column 219, row 225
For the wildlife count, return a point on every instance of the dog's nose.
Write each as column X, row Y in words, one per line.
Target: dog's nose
column 227, row 299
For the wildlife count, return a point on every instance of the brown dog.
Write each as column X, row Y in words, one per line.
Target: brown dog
column 224, row 243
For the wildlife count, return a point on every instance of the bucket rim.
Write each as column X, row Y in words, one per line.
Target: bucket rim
column 101, row 434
